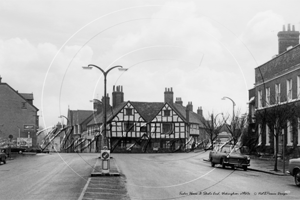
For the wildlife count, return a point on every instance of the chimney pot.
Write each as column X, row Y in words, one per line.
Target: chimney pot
column 287, row 38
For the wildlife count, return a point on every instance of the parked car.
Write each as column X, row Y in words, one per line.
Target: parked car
column 228, row 156
column 3, row 156
column 36, row 150
column 294, row 170
column 17, row 149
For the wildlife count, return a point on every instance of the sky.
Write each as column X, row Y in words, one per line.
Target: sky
column 203, row 50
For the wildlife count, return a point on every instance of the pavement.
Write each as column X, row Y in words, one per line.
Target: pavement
column 266, row 165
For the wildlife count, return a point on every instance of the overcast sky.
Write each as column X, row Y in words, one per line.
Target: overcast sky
column 204, row 50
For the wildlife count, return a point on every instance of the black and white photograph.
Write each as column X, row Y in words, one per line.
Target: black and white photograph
column 149, row 99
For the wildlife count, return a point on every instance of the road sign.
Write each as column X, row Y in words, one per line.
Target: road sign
column 105, row 154
column 28, row 127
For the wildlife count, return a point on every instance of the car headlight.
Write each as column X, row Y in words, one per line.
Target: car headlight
column 248, row 158
column 227, row 156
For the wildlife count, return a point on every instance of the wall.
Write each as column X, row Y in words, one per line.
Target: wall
column 13, row 117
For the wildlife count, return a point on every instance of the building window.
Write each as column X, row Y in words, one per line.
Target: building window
column 259, row 99
column 23, row 105
column 166, row 128
column 277, row 93
column 298, row 132
column 129, row 126
column 166, row 113
column 259, row 134
column 128, row 111
column 289, row 89
column 289, row 133
column 143, row 129
column 267, row 135
column 267, row 96
column 298, row 87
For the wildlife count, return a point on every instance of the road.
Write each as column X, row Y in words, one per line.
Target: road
column 147, row 176
column 187, row 176
column 45, row 176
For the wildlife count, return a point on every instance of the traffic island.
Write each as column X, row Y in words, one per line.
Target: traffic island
column 113, row 168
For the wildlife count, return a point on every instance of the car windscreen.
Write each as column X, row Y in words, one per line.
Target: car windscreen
column 236, row 150
column 225, row 149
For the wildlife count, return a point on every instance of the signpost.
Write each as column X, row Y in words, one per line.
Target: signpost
column 105, row 157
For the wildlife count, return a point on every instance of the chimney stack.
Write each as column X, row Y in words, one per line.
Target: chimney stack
column 168, row 95
column 190, row 106
column 107, row 102
column 117, row 96
column 200, row 111
column 287, row 38
column 178, row 101
column 98, row 107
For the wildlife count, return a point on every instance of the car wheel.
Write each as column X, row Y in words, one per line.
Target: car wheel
column 212, row 163
column 4, row 161
column 223, row 164
column 297, row 178
column 245, row 168
column 233, row 167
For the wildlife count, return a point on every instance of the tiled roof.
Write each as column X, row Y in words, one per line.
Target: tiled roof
column 148, row 110
column 19, row 94
column 98, row 119
column 193, row 118
column 78, row 116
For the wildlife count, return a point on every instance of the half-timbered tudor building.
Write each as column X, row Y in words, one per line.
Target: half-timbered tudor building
column 149, row 126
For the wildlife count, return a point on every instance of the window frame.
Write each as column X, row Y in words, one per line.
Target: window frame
column 277, row 92
column 259, row 95
column 289, row 89
column 163, row 128
column 128, row 111
column 127, row 125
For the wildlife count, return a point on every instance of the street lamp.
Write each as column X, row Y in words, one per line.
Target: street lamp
column 62, row 116
column 233, row 103
column 90, row 66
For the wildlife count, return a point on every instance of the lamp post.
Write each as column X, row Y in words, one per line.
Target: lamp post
column 90, row 66
column 62, row 116
column 233, row 103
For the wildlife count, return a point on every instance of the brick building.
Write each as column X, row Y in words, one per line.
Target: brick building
column 18, row 118
column 277, row 84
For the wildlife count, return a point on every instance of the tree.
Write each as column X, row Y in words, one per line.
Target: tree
column 275, row 116
column 212, row 127
column 238, row 127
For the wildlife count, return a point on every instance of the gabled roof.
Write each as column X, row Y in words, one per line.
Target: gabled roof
column 148, row 110
column 110, row 113
column 19, row 94
column 193, row 117
column 78, row 116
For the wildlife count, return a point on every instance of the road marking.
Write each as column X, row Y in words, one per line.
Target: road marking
column 84, row 189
